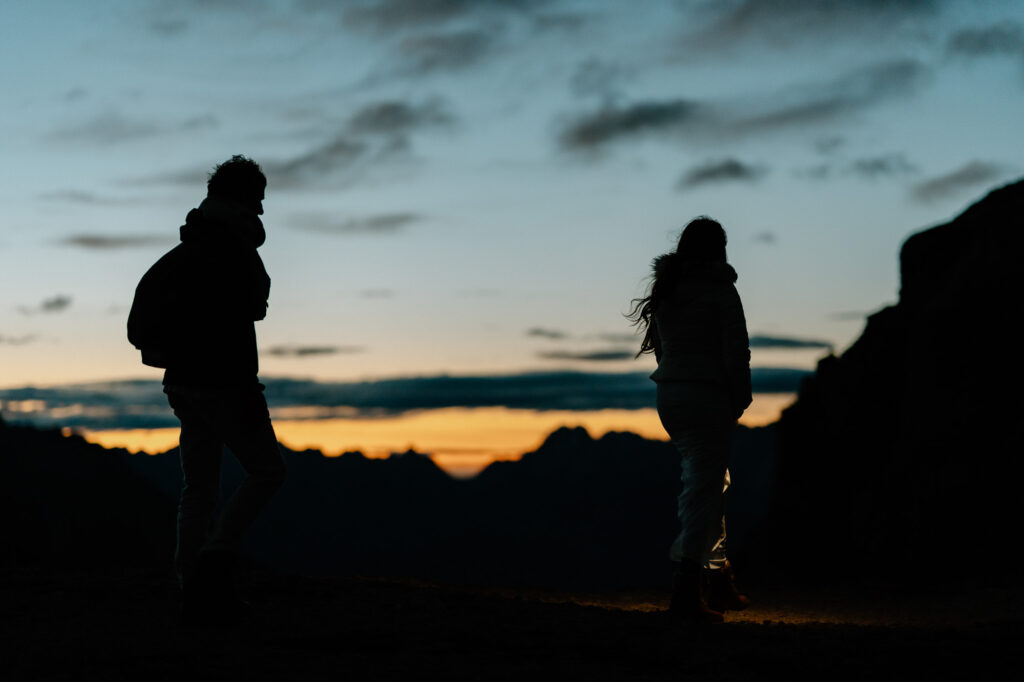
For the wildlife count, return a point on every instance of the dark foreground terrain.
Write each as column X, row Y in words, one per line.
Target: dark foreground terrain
column 111, row 627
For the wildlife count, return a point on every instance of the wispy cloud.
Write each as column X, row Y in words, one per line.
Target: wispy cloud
column 455, row 51
column 787, row 342
column 613, row 122
column 17, row 340
column 74, row 196
column 1006, row 38
column 396, row 117
column 111, row 128
column 54, row 304
column 969, row 176
column 607, row 355
column 392, row 15
column 311, row 351
column 108, row 242
column 826, row 101
column 168, row 27
column 326, row 223
column 886, row 165
column 599, row 77
column 142, row 404
column 377, row 293
column 766, row 237
column 618, row 337
column 790, row 108
column 544, row 333
column 787, row 23
column 848, row 315
column 376, row 133
column 724, row 170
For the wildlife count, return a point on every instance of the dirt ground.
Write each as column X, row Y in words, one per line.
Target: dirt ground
column 111, row 627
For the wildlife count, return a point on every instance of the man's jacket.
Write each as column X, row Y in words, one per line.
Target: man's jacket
column 194, row 310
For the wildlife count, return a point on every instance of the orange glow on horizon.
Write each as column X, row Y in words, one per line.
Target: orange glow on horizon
column 462, row 441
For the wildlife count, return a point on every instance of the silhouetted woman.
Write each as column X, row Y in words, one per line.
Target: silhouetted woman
column 693, row 323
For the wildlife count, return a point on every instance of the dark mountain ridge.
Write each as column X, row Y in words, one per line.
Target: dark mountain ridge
column 578, row 513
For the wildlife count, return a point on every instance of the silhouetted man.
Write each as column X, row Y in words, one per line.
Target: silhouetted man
column 193, row 314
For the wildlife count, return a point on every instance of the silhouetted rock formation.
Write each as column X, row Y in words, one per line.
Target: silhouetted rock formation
column 901, row 460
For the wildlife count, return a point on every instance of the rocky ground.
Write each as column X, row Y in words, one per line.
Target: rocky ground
column 79, row 626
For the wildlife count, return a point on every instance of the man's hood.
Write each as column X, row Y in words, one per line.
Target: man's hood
column 225, row 222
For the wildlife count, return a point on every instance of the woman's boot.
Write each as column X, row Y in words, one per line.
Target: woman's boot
column 687, row 606
column 722, row 593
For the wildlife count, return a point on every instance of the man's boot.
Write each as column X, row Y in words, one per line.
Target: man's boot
column 209, row 597
column 687, row 606
column 722, row 592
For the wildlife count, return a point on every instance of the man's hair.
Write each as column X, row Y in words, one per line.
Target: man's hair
column 237, row 178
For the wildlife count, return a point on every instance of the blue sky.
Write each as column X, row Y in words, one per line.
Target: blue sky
column 479, row 187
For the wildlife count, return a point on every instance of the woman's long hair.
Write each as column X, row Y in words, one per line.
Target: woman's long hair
column 702, row 241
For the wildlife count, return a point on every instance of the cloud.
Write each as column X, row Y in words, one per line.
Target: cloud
column 455, row 51
column 610, row 355
column 616, row 337
column 793, row 107
column 551, row 334
column 112, row 128
column 17, row 340
column 392, row 15
column 325, row 223
column 142, row 404
column 847, row 315
column 829, row 100
column 786, row 23
column 778, row 342
column 725, row 170
column 75, row 94
column 968, row 176
column 768, row 238
column 377, row 293
column 338, row 153
column 395, row 117
column 480, row 292
column 868, row 167
column 829, row 144
column 308, row 351
column 613, row 122
column 54, row 304
column 108, row 242
column 881, row 166
column 598, row 77
column 376, row 133
column 168, row 27
column 1006, row 38
column 73, row 196
column 567, row 22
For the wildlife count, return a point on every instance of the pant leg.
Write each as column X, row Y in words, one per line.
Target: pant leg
column 250, row 436
column 200, row 448
column 698, row 420
column 704, row 455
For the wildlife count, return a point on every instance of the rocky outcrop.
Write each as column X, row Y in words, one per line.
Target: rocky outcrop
column 901, row 459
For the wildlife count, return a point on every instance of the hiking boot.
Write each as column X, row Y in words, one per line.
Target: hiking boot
column 209, row 597
column 687, row 606
column 722, row 592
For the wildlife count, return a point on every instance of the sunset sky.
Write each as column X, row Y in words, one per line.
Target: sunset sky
column 475, row 188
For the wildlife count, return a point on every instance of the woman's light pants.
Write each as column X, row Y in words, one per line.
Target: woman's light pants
column 698, row 418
